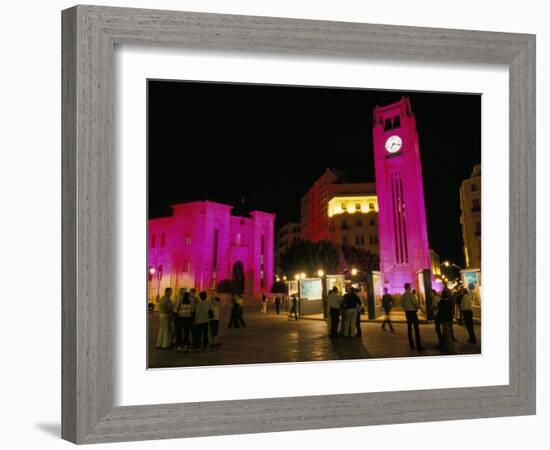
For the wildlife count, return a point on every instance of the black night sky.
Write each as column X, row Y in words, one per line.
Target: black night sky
column 268, row 144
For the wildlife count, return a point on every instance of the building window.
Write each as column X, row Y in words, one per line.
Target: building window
column 387, row 124
column 344, row 240
column 372, row 222
column 358, row 223
column 358, row 206
column 344, row 207
column 344, row 225
column 376, row 239
column 357, row 240
column 153, row 240
column 162, row 240
column 476, row 205
column 474, row 187
column 238, row 239
column 371, row 240
column 397, row 121
column 478, row 229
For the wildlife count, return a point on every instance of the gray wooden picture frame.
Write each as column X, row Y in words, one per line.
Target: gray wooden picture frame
column 90, row 34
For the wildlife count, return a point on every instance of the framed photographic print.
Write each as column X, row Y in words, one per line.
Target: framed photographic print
column 289, row 215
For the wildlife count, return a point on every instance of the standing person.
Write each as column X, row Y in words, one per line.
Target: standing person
column 277, row 304
column 445, row 318
column 194, row 302
column 351, row 303
column 360, row 310
column 183, row 311
column 215, row 321
column 387, row 304
column 458, row 300
column 468, row 315
column 333, row 305
column 293, row 308
column 164, row 335
column 264, row 303
column 409, row 303
column 435, row 307
column 202, row 319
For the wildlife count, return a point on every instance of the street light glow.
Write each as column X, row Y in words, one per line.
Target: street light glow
column 297, row 276
column 320, row 273
column 354, row 271
column 152, row 270
column 302, row 275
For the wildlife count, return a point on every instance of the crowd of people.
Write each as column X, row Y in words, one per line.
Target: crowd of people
column 191, row 321
column 344, row 315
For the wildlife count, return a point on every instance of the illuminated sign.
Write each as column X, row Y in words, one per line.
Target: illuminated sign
column 311, row 289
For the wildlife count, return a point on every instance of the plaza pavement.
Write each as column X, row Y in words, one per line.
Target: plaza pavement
column 274, row 338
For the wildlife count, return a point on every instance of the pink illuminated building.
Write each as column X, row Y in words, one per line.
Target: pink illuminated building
column 403, row 235
column 201, row 244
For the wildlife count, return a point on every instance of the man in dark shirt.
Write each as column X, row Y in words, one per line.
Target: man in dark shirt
column 351, row 309
column 387, row 304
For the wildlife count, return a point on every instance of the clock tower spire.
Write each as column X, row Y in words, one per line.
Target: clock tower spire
column 403, row 235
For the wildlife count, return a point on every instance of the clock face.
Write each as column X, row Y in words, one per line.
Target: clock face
column 393, row 144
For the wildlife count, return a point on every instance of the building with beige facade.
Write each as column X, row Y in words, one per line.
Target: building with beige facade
column 470, row 204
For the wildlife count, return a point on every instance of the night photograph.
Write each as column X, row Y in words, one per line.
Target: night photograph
column 298, row 223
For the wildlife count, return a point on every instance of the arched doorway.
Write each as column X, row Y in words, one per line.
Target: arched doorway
column 237, row 278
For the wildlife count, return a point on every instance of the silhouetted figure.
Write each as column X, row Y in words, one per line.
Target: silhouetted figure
column 409, row 303
column 352, row 302
column 240, row 310
column 445, row 318
column 293, row 308
column 264, row 304
column 435, row 305
column 202, row 319
column 387, row 304
column 215, row 321
column 278, row 305
column 333, row 305
column 183, row 311
column 164, row 335
column 468, row 315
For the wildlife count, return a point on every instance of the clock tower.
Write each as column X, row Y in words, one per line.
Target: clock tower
column 403, row 235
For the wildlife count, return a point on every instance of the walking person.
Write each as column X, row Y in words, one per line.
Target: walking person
column 202, row 319
column 409, row 303
column 437, row 322
column 164, row 336
column 293, row 308
column 183, row 311
column 264, row 304
column 458, row 300
column 233, row 313
column 240, row 311
column 351, row 304
column 445, row 318
column 278, row 305
column 468, row 315
column 387, row 305
column 333, row 305
column 215, row 321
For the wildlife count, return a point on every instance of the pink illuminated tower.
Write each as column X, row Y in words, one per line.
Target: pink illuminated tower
column 404, row 248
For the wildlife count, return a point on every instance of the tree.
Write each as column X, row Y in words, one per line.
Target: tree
column 228, row 286
column 360, row 258
column 307, row 256
column 279, row 287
